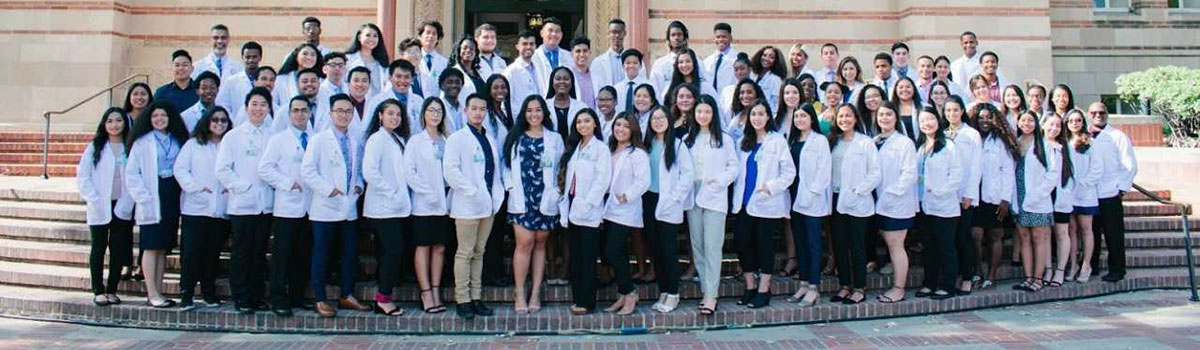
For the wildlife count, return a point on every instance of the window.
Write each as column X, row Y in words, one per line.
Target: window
column 1116, row 105
column 1111, row 4
column 1184, row 4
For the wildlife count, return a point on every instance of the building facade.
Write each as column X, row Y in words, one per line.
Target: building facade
column 62, row 51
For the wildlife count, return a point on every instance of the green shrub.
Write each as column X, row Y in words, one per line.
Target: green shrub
column 1174, row 93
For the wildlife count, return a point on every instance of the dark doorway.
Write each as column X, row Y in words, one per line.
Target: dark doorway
column 511, row 16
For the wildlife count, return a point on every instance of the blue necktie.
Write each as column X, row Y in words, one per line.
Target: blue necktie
column 416, row 85
column 304, row 140
column 429, row 62
column 629, row 98
column 219, row 70
column 344, row 143
column 903, row 71
column 532, row 76
column 717, row 69
column 552, row 56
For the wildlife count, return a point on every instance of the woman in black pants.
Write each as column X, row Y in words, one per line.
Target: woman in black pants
column 387, row 201
column 970, row 150
column 109, row 207
column 623, row 209
column 940, row 171
column 671, row 176
column 855, row 174
column 205, row 227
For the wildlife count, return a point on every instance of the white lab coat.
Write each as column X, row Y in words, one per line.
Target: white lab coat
column 813, row 177
column 998, row 179
column 280, row 168
column 1039, row 181
column 423, row 174
column 859, row 174
column 970, row 152
column 233, row 91
column 488, row 67
column 576, row 106
column 192, row 115
column 229, row 66
column 541, row 65
column 1120, row 164
column 776, row 171
column 439, row 64
column 323, row 169
column 590, row 167
column 237, row 169
column 1086, row 169
column 195, row 170
column 943, row 176
column 608, row 69
column 464, row 167
column 716, row 169
column 383, row 170
column 95, row 182
column 898, row 178
column 724, row 77
column 551, row 152
column 675, row 186
column 379, row 71
column 413, row 105
column 521, row 83
column 623, row 88
column 631, row 178
column 770, row 84
column 141, row 180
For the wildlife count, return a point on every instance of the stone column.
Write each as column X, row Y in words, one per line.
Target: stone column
column 639, row 19
column 385, row 17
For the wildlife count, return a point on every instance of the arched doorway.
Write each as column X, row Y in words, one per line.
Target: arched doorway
column 510, row 17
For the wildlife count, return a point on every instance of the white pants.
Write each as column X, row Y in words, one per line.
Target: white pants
column 707, row 230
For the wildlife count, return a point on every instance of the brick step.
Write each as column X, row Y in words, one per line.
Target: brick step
column 55, row 170
column 36, row 158
column 30, row 147
column 1136, row 196
column 18, row 136
column 74, row 306
column 27, row 195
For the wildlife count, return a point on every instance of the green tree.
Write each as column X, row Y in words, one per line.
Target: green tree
column 1174, row 93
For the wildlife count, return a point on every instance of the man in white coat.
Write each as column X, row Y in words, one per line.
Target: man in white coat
column 401, row 76
column 719, row 65
column 522, row 74
column 280, row 168
column 1120, row 167
column 217, row 61
column 549, row 56
column 490, row 61
column 471, row 169
column 607, row 65
column 234, row 88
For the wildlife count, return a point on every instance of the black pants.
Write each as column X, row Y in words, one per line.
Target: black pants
column 390, row 234
column 1112, row 232
column 755, row 241
column 849, row 250
column 968, row 261
column 117, row 238
column 250, row 236
column 806, row 239
column 663, row 239
column 291, row 253
column 584, row 243
column 941, row 251
column 497, row 249
column 200, row 255
column 616, row 251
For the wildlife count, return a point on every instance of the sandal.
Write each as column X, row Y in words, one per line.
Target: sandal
column 395, row 311
column 800, row 293
column 785, row 272
column 1026, row 285
column 429, row 309
column 1085, row 274
column 851, row 300
column 839, row 297
column 884, row 298
column 435, row 291
column 1037, row 285
column 708, row 312
column 1056, row 279
column 166, row 304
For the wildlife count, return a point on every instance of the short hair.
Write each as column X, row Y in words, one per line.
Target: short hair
column 333, row 55
column 884, row 56
column 401, row 65
column 552, row 20
column 437, row 26
column 219, row 26
column 310, row 19
column 259, row 91
column 835, row 48
column 526, row 33
column 900, row 45
column 989, row 53
column 476, row 96
column 408, row 43
column 485, row 26
column 966, row 33
column 617, row 21
column 339, row 97
column 252, row 45
column 296, row 98
column 723, row 26
column 208, row 75
column 678, row 25
column 312, row 70
column 579, row 40
column 631, row 52
column 359, row 69
column 181, row 53
column 449, row 73
column 258, row 71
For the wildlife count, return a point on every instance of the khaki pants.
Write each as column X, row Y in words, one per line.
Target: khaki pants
column 468, row 259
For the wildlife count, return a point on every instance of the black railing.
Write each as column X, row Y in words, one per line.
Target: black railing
column 1184, row 210
column 46, row 138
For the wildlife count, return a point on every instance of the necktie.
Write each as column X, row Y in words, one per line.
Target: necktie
column 304, row 140
column 344, row 143
column 629, row 98
column 429, row 62
column 532, row 76
column 903, row 71
column 717, row 69
column 416, row 85
column 219, row 70
column 616, row 68
column 552, row 56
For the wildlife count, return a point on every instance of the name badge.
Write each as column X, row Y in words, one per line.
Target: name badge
column 547, row 163
column 477, row 158
column 252, row 152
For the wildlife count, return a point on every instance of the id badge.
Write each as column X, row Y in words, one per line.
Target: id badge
column 477, row 158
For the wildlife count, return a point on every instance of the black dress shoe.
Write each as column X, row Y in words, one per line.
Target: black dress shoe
column 747, row 296
column 1113, row 277
column 481, row 309
column 285, row 312
column 304, row 304
column 760, row 300
column 465, row 310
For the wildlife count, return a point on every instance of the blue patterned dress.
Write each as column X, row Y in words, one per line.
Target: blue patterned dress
column 531, row 150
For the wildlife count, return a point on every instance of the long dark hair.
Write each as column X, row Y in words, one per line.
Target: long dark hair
column 503, row 106
column 781, row 115
column 128, row 107
column 736, row 107
column 814, row 123
column 939, row 135
column 668, row 136
column 866, row 116
column 175, row 128
column 714, row 127
column 290, row 64
column 377, row 120
column 750, row 136
column 653, row 97
column 635, row 132
column 678, row 78
column 1082, row 140
column 1039, row 143
column 1070, row 97
column 1021, row 107
column 573, row 141
column 1064, row 150
column 998, row 129
column 779, row 68
column 966, row 117
column 916, row 100
column 441, row 127
column 835, row 132
column 100, row 138
column 550, row 88
column 936, row 83
column 472, row 69
column 521, row 125
column 379, row 53
column 674, row 110
column 202, row 131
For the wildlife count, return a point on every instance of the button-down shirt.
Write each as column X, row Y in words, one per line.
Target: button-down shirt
column 344, row 144
column 167, row 151
column 488, row 162
column 180, row 99
column 584, row 90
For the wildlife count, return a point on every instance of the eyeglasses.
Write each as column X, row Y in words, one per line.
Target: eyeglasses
column 300, row 110
column 343, row 111
column 335, row 65
column 220, row 120
column 435, row 111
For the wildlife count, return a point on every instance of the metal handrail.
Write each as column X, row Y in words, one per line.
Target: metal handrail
column 1184, row 210
column 46, row 138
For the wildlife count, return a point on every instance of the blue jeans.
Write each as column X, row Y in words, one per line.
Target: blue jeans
column 806, row 235
column 323, row 238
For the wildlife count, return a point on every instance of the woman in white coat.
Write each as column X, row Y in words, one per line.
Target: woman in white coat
column 529, row 165
column 562, row 99
column 584, row 181
column 896, row 205
column 205, row 226
column 386, row 201
column 760, row 201
column 1055, row 128
column 970, row 149
column 940, row 171
column 99, row 177
column 996, row 185
column 367, row 50
column 1037, row 174
column 153, row 147
column 671, row 174
column 809, row 149
column 623, row 208
column 1088, row 168
column 716, row 165
column 430, row 205
column 854, row 174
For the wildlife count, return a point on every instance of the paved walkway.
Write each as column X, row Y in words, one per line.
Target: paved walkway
column 1140, row 320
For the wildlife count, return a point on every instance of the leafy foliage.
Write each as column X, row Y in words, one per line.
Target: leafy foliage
column 1174, row 93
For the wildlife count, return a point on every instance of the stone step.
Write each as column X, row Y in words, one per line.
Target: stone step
column 1138, row 196
column 36, row 158
column 74, row 306
column 55, row 137
column 55, row 147
column 55, row 170
column 27, row 195
column 43, row 211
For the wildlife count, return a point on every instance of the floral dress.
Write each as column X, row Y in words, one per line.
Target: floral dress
column 531, row 151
